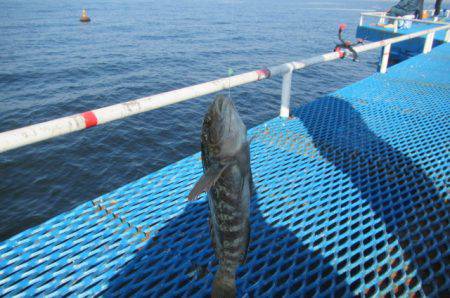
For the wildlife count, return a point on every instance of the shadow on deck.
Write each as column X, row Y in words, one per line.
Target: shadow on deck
column 406, row 213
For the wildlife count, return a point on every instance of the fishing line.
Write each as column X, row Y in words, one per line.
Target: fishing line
column 230, row 70
column 230, row 73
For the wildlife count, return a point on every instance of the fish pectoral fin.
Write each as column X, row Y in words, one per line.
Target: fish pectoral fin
column 206, row 181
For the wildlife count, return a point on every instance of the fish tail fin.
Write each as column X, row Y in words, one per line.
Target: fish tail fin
column 224, row 284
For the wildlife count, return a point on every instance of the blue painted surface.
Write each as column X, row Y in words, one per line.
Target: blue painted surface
column 351, row 199
column 405, row 49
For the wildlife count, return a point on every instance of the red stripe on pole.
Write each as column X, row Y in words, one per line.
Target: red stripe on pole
column 341, row 53
column 89, row 119
column 263, row 73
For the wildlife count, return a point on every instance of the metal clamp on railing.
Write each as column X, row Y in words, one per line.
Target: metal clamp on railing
column 43, row 131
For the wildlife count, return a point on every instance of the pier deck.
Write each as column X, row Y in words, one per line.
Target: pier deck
column 352, row 198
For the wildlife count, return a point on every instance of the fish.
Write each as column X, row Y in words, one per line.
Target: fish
column 227, row 178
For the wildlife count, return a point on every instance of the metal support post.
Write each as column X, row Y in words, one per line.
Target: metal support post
column 385, row 58
column 395, row 26
column 428, row 43
column 447, row 36
column 286, row 94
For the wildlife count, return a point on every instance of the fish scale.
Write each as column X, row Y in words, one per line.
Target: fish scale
column 352, row 198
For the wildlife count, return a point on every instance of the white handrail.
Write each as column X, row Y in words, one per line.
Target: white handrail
column 39, row 132
column 382, row 15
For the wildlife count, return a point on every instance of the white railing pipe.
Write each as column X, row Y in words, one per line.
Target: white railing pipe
column 53, row 128
column 35, row 133
column 382, row 43
column 382, row 18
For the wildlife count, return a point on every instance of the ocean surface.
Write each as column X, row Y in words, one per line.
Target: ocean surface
column 51, row 65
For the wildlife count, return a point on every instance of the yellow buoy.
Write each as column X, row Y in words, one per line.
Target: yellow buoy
column 84, row 17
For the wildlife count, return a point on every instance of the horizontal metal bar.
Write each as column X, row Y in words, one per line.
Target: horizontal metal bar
column 35, row 133
column 379, row 15
column 397, row 39
column 50, row 129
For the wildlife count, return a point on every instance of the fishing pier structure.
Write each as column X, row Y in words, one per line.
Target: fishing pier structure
column 352, row 197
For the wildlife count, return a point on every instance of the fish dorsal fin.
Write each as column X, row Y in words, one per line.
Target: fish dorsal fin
column 206, row 181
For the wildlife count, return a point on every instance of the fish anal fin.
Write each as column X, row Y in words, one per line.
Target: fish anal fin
column 206, row 181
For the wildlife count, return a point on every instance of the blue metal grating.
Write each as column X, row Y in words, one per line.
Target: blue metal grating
column 352, row 199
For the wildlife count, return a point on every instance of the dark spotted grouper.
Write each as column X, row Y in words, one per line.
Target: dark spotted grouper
column 228, row 180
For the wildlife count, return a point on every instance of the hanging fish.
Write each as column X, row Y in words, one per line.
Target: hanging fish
column 228, row 180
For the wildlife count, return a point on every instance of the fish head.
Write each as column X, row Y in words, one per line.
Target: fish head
column 223, row 131
column 223, row 143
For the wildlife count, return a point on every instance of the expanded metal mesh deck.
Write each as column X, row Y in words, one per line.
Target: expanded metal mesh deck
column 352, row 199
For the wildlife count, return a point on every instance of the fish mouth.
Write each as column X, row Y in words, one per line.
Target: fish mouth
column 225, row 127
column 224, row 113
column 223, row 106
